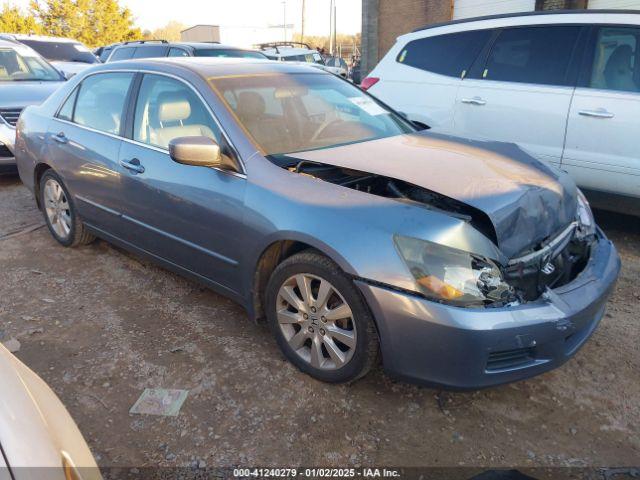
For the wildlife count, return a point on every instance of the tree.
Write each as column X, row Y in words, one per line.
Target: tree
column 12, row 20
column 92, row 22
column 171, row 31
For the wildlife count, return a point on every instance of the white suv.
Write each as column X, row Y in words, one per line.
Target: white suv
column 564, row 86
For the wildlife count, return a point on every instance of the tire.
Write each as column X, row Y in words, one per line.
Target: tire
column 313, row 339
column 60, row 213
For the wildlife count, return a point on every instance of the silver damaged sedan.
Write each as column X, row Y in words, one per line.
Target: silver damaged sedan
column 460, row 264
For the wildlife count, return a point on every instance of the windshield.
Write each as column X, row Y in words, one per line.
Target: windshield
column 286, row 113
column 24, row 66
column 229, row 52
column 62, row 51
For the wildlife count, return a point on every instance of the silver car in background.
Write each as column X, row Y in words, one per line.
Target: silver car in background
column 25, row 79
column 465, row 264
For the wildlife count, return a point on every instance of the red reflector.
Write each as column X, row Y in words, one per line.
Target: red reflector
column 369, row 82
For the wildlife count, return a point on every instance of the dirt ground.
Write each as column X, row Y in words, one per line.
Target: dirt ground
column 100, row 326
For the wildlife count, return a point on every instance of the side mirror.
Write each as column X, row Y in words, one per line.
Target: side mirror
column 199, row 152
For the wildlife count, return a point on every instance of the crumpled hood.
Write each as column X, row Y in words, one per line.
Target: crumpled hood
column 526, row 200
column 23, row 94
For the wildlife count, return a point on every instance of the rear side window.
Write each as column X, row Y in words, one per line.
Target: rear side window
column 101, row 100
column 451, row 54
column 154, row 51
column 539, row 55
column 124, row 53
column 616, row 63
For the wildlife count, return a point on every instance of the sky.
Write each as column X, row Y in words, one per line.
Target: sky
column 151, row 14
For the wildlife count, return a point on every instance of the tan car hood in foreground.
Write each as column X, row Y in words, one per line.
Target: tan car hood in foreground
column 35, row 428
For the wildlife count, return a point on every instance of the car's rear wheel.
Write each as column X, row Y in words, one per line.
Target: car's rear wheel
column 60, row 212
column 320, row 320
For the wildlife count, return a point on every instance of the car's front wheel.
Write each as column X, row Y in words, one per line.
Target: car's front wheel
column 60, row 212
column 320, row 320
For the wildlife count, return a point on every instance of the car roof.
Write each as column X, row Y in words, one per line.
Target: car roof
column 208, row 67
column 194, row 45
column 41, row 38
column 544, row 14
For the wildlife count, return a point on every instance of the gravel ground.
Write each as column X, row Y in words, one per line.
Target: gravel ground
column 100, row 326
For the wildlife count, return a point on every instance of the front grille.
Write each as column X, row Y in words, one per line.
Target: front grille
column 5, row 152
column 10, row 115
column 507, row 359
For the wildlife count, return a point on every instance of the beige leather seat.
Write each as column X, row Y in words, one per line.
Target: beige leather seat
column 618, row 72
column 172, row 112
column 271, row 133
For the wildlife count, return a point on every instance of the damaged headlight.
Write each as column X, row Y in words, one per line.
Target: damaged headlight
column 584, row 216
column 453, row 276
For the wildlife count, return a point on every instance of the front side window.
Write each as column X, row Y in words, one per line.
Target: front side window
column 451, row 54
column 166, row 109
column 23, row 64
column 178, row 52
column 286, row 113
column 124, row 53
column 154, row 51
column 616, row 62
column 101, row 101
column 539, row 55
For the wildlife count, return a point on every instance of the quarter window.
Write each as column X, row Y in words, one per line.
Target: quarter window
column 616, row 63
column 539, row 55
column 167, row 109
column 66, row 112
column 451, row 54
column 101, row 101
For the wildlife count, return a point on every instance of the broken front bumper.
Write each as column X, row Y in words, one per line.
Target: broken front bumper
column 7, row 145
column 460, row 348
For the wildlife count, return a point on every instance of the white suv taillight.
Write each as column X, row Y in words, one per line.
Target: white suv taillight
column 369, row 82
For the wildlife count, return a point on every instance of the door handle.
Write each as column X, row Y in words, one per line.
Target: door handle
column 60, row 138
column 600, row 113
column 132, row 165
column 474, row 101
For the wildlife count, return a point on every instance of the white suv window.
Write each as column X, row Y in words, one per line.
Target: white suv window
column 616, row 64
column 451, row 54
column 539, row 55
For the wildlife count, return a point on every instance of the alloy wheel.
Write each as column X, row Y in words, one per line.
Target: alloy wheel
column 316, row 321
column 57, row 208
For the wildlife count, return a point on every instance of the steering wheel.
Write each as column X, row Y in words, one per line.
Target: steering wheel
column 323, row 127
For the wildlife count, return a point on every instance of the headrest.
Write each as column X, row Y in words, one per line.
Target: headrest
column 251, row 105
column 620, row 59
column 173, row 109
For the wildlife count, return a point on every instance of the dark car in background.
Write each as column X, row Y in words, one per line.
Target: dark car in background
column 162, row 48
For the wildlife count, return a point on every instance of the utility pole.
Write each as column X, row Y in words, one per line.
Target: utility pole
column 332, row 6
column 302, row 23
column 284, row 19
